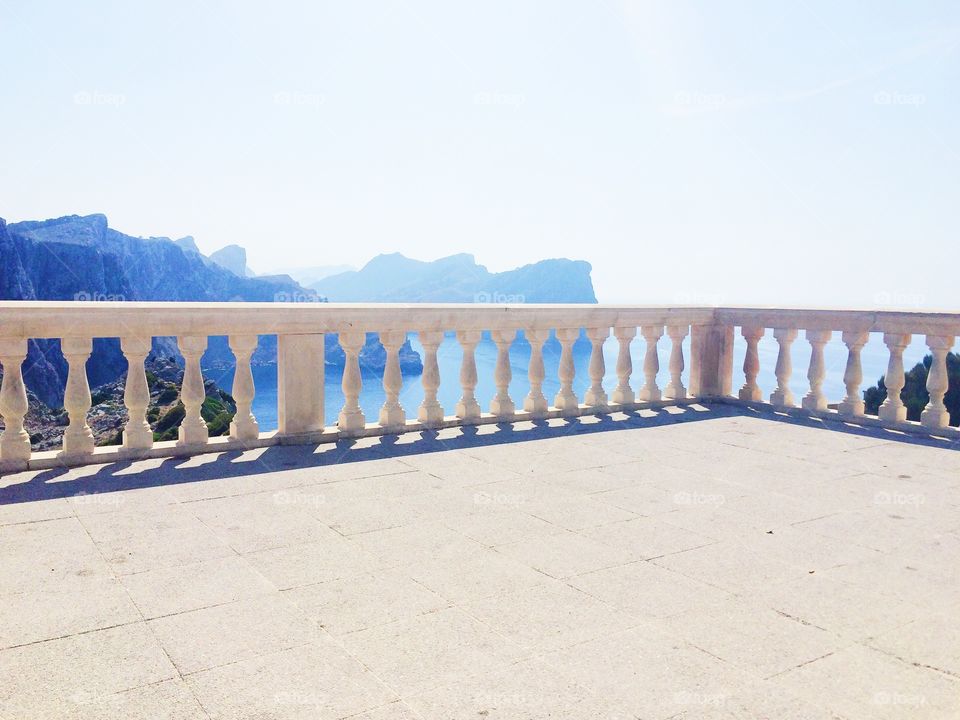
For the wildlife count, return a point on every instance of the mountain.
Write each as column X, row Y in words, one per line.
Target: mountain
column 309, row 275
column 82, row 258
column 232, row 258
column 458, row 278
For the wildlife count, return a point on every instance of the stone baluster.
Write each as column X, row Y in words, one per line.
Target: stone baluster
column 595, row 396
column 193, row 430
column 502, row 405
column 893, row 409
column 137, row 434
column 535, row 402
column 751, row 364
column 244, row 425
column 430, row 412
column 351, row 420
column 935, row 414
column 15, row 441
column 566, row 400
column 301, row 377
column 675, row 389
column 651, row 364
column 78, row 437
column 392, row 414
column 467, row 407
column 623, row 394
column 815, row 399
column 852, row 404
column 782, row 396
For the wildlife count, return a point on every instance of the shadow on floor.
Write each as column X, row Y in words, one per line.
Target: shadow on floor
column 114, row 477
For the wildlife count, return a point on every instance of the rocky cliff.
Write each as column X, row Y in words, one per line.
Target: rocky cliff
column 458, row 278
column 83, row 259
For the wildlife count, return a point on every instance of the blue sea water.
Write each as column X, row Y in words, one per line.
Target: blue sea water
column 873, row 361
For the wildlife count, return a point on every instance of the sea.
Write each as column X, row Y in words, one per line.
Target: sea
column 873, row 361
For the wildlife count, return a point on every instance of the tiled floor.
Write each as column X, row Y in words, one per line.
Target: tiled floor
column 687, row 563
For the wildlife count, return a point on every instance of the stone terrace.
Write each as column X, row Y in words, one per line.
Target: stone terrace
column 698, row 562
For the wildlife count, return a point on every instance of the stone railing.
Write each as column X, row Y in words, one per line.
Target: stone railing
column 300, row 330
column 897, row 329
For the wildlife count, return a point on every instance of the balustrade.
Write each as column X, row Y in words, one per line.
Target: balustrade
column 935, row 414
column 651, row 364
column 623, row 393
column 675, row 389
column 137, row 434
column 815, row 399
column 893, row 408
column 301, row 332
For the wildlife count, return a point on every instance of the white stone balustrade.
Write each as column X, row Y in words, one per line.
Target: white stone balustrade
column 244, row 425
column 935, row 414
column 502, row 405
column 392, row 415
column 815, row 399
column 566, row 399
column 468, row 408
column 535, row 402
column 623, row 393
column 301, row 332
column 137, row 434
column 351, row 420
column 15, row 441
column 596, row 397
column 193, row 429
column 78, row 437
column 750, row 391
column 893, row 409
column 431, row 412
column 651, row 364
column 782, row 397
column 852, row 404
column 675, row 389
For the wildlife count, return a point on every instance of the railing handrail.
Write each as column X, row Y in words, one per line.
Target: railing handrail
column 897, row 321
column 58, row 319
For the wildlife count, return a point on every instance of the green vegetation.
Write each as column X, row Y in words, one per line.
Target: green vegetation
column 915, row 395
column 217, row 411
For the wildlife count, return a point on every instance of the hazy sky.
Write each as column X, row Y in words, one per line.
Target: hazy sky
column 736, row 152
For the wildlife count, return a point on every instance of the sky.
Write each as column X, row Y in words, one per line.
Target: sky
column 774, row 153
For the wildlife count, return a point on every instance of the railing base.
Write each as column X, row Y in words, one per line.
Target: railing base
column 907, row 427
column 171, row 449
column 330, row 434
